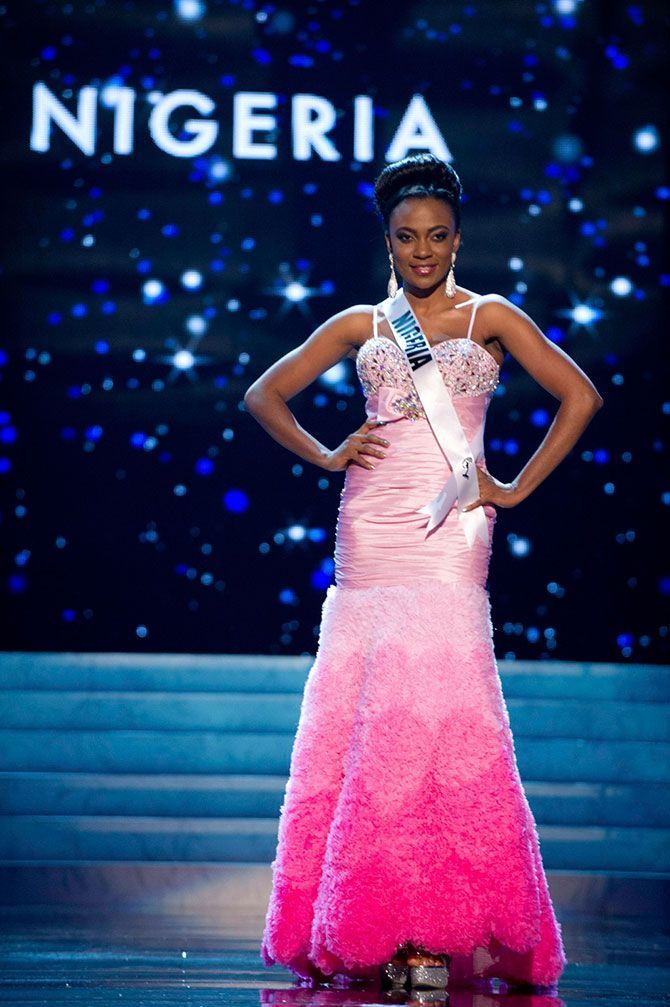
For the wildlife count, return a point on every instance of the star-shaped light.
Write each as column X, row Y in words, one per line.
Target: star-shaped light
column 293, row 289
column 583, row 314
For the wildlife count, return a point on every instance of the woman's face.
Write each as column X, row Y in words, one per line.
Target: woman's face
column 422, row 232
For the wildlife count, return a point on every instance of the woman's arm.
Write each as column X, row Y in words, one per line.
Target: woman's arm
column 556, row 372
column 266, row 398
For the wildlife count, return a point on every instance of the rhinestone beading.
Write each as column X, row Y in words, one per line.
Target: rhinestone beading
column 409, row 406
column 466, row 368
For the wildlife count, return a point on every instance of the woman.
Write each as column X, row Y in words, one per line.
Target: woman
column 407, row 850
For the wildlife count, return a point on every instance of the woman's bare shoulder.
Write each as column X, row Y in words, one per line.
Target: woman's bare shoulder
column 359, row 319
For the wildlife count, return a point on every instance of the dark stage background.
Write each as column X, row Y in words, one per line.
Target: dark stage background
column 153, row 269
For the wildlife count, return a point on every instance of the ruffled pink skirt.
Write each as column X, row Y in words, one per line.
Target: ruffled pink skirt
column 404, row 816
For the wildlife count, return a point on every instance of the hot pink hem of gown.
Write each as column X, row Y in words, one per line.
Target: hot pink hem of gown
column 404, row 816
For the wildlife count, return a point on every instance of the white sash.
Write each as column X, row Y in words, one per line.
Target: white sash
column 462, row 487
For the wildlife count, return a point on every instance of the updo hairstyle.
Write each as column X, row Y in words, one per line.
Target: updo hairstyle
column 419, row 175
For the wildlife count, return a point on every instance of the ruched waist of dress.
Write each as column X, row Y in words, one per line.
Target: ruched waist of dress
column 380, row 535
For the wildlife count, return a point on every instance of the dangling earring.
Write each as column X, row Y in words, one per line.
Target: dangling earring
column 450, row 285
column 392, row 288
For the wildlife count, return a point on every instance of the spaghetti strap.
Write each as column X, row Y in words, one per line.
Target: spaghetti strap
column 472, row 318
column 375, row 325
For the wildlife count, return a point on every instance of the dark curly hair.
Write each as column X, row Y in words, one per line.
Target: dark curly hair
column 419, row 175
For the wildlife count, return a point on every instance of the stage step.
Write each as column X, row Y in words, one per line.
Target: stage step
column 255, row 796
column 133, row 794
column 142, row 751
column 181, row 888
column 261, row 796
column 259, row 673
column 72, row 838
column 278, row 712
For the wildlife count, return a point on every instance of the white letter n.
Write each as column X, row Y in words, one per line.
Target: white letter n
column 81, row 130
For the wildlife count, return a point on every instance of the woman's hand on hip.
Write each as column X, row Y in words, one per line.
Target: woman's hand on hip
column 493, row 492
column 356, row 447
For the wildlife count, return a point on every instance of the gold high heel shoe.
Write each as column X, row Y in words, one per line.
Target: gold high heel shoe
column 428, row 976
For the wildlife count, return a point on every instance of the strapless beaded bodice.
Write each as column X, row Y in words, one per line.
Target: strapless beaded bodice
column 466, row 368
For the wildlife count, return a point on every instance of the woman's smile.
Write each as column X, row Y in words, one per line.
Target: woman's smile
column 424, row 270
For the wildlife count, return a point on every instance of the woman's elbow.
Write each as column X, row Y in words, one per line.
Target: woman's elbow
column 588, row 399
column 591, row 403
column 257, row 397
column 586, row 403
column 252, row 394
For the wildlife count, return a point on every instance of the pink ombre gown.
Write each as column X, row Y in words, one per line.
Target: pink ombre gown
column 404, row 817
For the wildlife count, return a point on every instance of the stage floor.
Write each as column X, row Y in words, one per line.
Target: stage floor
column 84, row 956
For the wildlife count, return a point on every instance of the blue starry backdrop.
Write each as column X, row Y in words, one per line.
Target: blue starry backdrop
column 190, row 194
